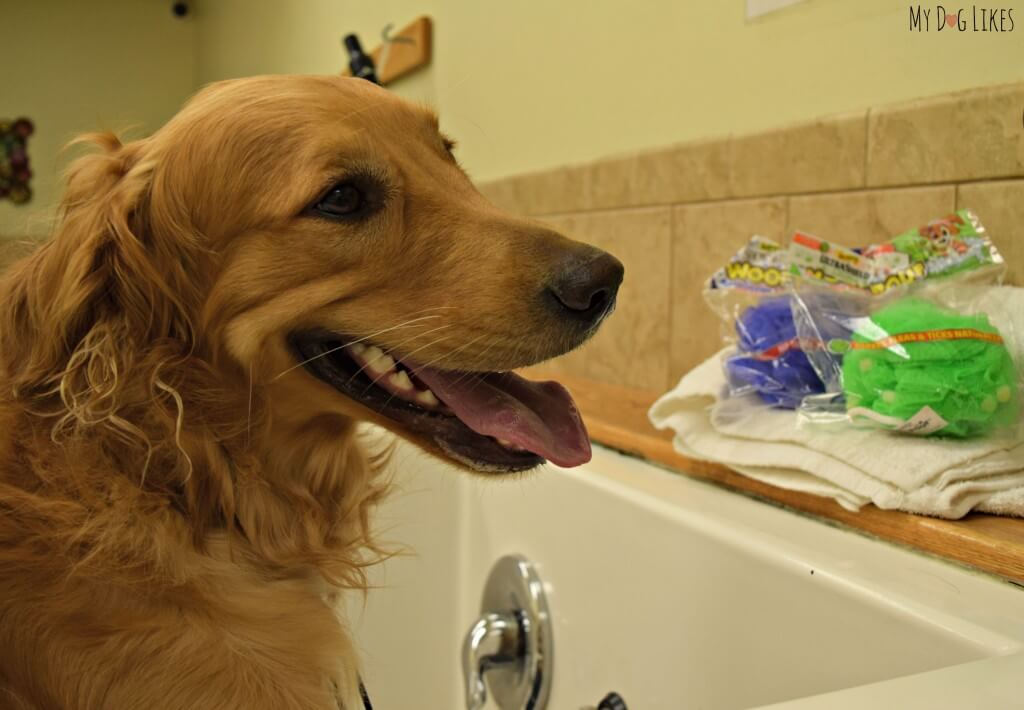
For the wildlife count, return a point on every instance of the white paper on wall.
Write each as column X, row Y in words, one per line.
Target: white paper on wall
column 756, row 8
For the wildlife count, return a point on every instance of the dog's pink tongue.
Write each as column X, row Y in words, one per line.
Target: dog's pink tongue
column 537, row 416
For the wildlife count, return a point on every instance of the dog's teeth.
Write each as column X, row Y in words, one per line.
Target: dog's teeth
column 357, row 348
column 427, row 398
column 377, row 361
column 509, row 445
column 401, row 380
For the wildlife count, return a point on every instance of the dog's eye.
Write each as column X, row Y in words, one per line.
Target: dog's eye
column 344, row 200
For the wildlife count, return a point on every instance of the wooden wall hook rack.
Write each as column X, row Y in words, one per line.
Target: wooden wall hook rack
column 408, row 50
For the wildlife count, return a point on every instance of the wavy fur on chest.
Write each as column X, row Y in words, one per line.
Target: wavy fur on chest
column 162, row 543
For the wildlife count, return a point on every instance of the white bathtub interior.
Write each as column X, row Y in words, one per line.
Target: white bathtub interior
column 670, row 591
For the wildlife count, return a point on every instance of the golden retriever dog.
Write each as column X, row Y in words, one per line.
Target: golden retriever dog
column 183, row 365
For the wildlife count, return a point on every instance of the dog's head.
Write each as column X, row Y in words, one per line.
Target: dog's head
column 315, row 240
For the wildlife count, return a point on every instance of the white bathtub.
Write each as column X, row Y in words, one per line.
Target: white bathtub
column 678, row 594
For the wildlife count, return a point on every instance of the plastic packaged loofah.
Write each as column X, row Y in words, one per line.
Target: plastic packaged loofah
column 894, row 346
column 793, row 314
column 750, row 295
column 769, row 360
column 918, row 368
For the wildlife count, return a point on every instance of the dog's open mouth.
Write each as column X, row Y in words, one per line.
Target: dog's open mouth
column 488, row 421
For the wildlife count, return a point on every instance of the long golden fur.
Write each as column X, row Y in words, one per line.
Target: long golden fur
column 180, row 503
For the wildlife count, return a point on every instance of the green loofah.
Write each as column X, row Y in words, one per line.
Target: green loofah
column 913, row 354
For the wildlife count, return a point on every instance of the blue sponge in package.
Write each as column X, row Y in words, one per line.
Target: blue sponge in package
column 770, row 361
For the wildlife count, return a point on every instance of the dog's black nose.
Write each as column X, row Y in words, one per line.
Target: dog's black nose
column 586, row 285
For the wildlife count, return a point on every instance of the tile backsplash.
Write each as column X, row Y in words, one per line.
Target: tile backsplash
column 676, row 214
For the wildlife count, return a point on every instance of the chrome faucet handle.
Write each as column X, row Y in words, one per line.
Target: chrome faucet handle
column 509, row 649
column 494, row 640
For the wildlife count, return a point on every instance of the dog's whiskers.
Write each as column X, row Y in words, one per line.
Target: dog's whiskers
column 407, row 340
column 455, row 352
column 435, row 342
column 475, row 376
column 391, row 395
column 357, row 340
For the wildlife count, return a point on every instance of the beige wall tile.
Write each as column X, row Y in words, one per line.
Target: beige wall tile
column 969, row 135
column 612, row 183
column 869, row 217
column 631, row 348
column 502, row 193
column 683, row 173
column 511, row 193
column 824, row 155
column 827, row 154
column 687, row 173
column 965, row 136
column 553, row 191
column 560, row 190
column 704, row 236
column 1000, row 205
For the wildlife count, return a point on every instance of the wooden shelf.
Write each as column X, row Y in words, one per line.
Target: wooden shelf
column 617, row 417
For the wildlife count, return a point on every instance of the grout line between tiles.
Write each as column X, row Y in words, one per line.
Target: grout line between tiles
column 867, row 145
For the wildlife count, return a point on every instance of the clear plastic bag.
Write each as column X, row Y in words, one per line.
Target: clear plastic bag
column 751, row 296
column 794, row 314
column 897, row 334
column 768, row 360
column 954, row 246
column 915, row 366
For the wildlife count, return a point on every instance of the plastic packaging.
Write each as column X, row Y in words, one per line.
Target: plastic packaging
column 893, row 340
column 918, row 368
column 769, row 360
column 839, row 333
column 750, row 294
column 954, row 245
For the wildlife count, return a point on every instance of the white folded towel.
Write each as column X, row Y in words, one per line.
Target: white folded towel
column 940, row 477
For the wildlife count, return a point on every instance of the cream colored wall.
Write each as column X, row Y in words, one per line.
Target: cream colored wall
column 74, row 66
column 245, row 37
column 523, row 85
column 532, row 84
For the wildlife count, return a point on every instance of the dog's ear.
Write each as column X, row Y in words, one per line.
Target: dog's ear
column 112, row 291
